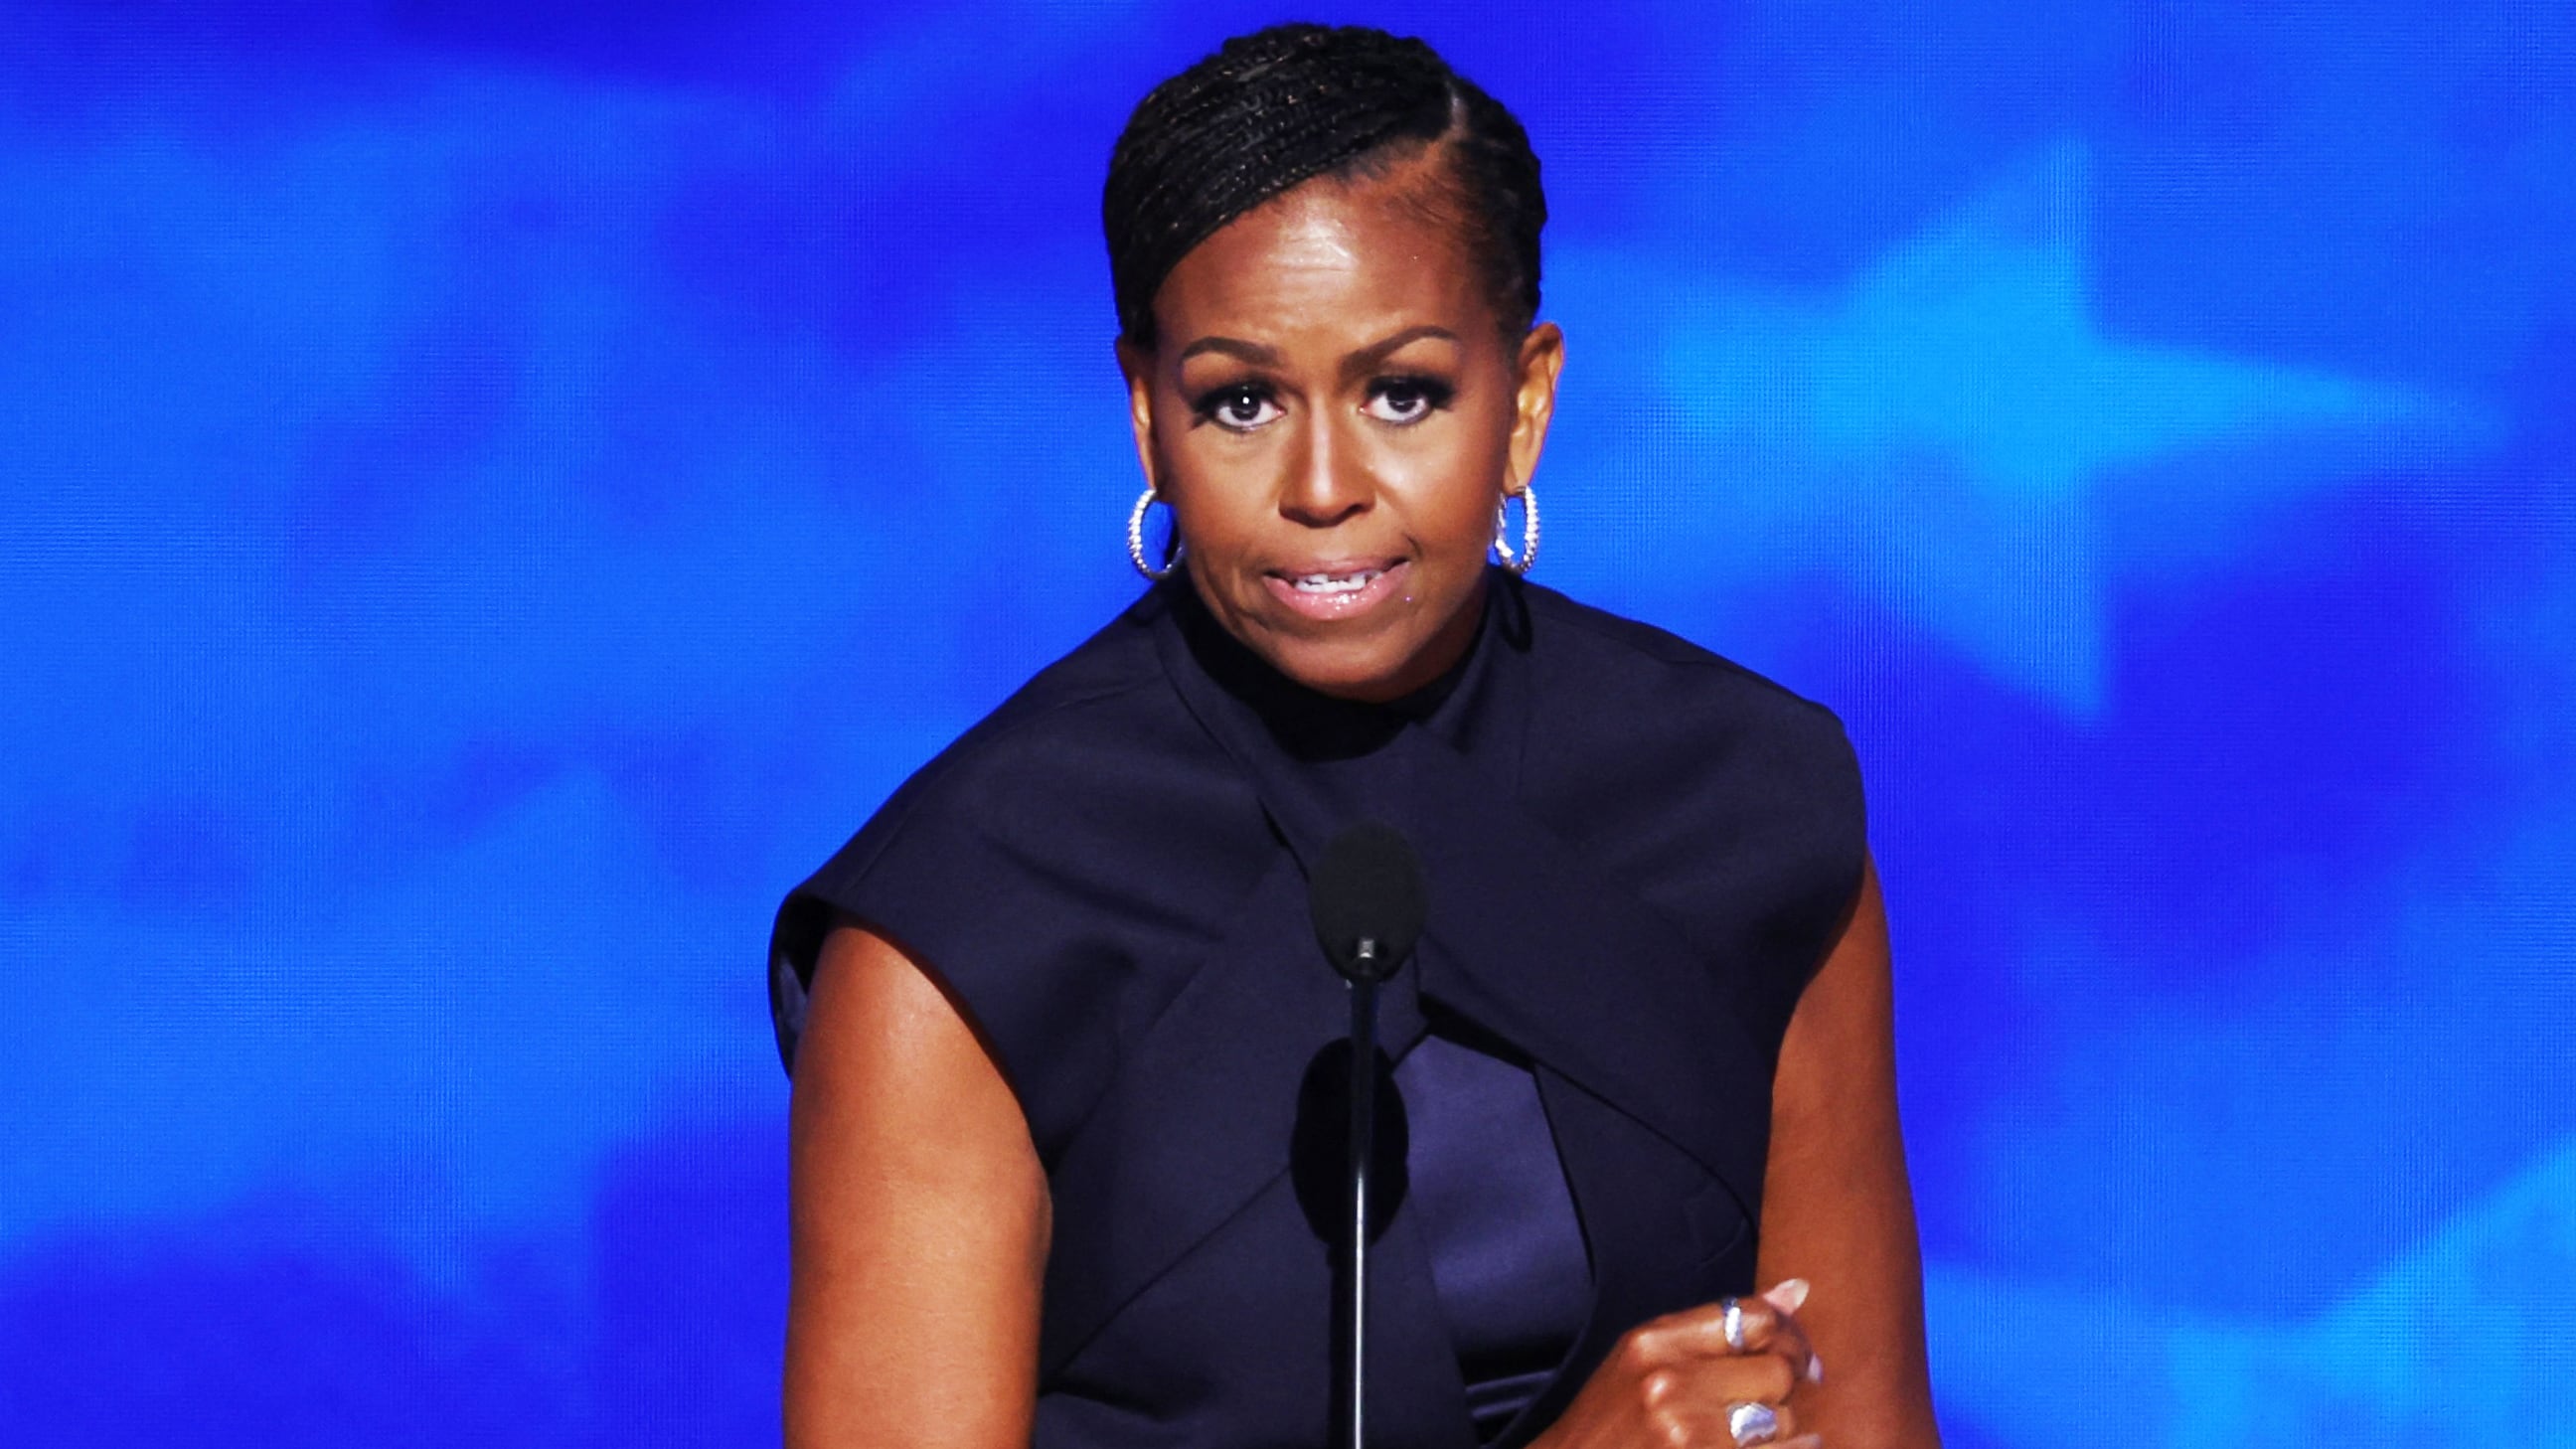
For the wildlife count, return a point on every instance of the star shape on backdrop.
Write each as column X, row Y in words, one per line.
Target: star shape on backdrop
column 1942, row 429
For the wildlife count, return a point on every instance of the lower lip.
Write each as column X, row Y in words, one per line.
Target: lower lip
column 1340, row 605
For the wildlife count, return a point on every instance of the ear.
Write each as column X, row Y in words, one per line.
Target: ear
column 1542, row 356
column 1136, row 364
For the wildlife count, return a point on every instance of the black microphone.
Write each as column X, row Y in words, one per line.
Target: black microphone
column 1368, row 900
column 1369, row 903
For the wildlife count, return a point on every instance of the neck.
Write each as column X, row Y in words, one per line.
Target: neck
column 1307, row 721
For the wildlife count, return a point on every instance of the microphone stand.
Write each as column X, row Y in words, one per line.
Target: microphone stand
column 1363, row 980
column 1370, row 904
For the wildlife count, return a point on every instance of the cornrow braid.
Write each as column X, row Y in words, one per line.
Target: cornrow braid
column 1281, row 106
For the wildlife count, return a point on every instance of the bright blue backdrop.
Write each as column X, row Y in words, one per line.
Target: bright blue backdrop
column 490, row 494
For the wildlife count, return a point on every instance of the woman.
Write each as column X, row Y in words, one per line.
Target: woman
column 1056, row 1017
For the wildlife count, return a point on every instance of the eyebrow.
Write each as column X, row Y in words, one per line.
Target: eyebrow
column 1377, row 352
column 1231, row 347
column 1360, row 361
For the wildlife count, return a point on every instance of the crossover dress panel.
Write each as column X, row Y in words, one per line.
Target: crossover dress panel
column 1637, row 855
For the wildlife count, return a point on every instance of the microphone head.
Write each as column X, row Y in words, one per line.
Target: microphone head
column 1368, row 900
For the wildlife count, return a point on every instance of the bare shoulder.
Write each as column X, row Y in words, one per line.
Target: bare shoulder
column 918, row 1212
column 881, row 1018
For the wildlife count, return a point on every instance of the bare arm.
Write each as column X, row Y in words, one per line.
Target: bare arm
column 1837, row 1218
column 919, row 1218
column 1836, row 1209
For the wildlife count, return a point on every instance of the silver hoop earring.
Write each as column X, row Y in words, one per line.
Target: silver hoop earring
column 1518, row 563
column 1136, row 542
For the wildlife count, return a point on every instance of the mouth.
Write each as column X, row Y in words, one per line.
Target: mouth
column 1336, row 590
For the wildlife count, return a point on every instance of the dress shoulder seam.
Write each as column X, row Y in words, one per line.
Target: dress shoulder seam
column 1687, row 653
column 978, row 740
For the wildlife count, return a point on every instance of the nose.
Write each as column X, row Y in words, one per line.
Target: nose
column 1326, row 480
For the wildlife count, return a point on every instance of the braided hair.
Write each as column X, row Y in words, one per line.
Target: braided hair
column 1284, row 105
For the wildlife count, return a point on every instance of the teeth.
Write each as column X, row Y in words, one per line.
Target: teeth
column 1334, row 583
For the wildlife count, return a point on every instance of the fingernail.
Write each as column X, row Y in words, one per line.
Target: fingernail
column 1789, row 1294
column 1815, row 1368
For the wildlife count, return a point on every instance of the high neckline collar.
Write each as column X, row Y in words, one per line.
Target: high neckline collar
column 1312, row 726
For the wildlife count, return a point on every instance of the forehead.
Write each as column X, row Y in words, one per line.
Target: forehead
column 1330, row 259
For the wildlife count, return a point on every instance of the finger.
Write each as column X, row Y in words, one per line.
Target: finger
column 1788, row 1296
column 1716, row 1424
column 1701, row 1332
column 1705, row 1388
column 1784, row 1423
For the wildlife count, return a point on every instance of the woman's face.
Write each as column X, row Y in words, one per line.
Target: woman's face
column 1333, row 413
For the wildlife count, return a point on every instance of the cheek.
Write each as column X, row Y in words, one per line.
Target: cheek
column 1219, row 497
column 1451, row 489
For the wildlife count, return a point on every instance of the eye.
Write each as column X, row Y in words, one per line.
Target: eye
column 1239, row 407
column 1407, row 399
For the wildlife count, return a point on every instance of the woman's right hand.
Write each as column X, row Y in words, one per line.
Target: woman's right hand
column 1673, row 1382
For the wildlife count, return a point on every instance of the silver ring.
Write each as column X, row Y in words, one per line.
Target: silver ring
column 1734, row 1324
column 1753, row 1424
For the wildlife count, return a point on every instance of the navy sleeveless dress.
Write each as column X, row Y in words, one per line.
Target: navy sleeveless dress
column 1637, row 854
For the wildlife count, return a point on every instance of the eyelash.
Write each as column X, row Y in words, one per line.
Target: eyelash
column 1203, row 407
column 1435, row 395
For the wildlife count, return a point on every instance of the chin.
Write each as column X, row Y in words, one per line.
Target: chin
column 1355, row 670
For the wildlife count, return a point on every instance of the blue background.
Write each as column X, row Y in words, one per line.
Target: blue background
column 491, row 494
